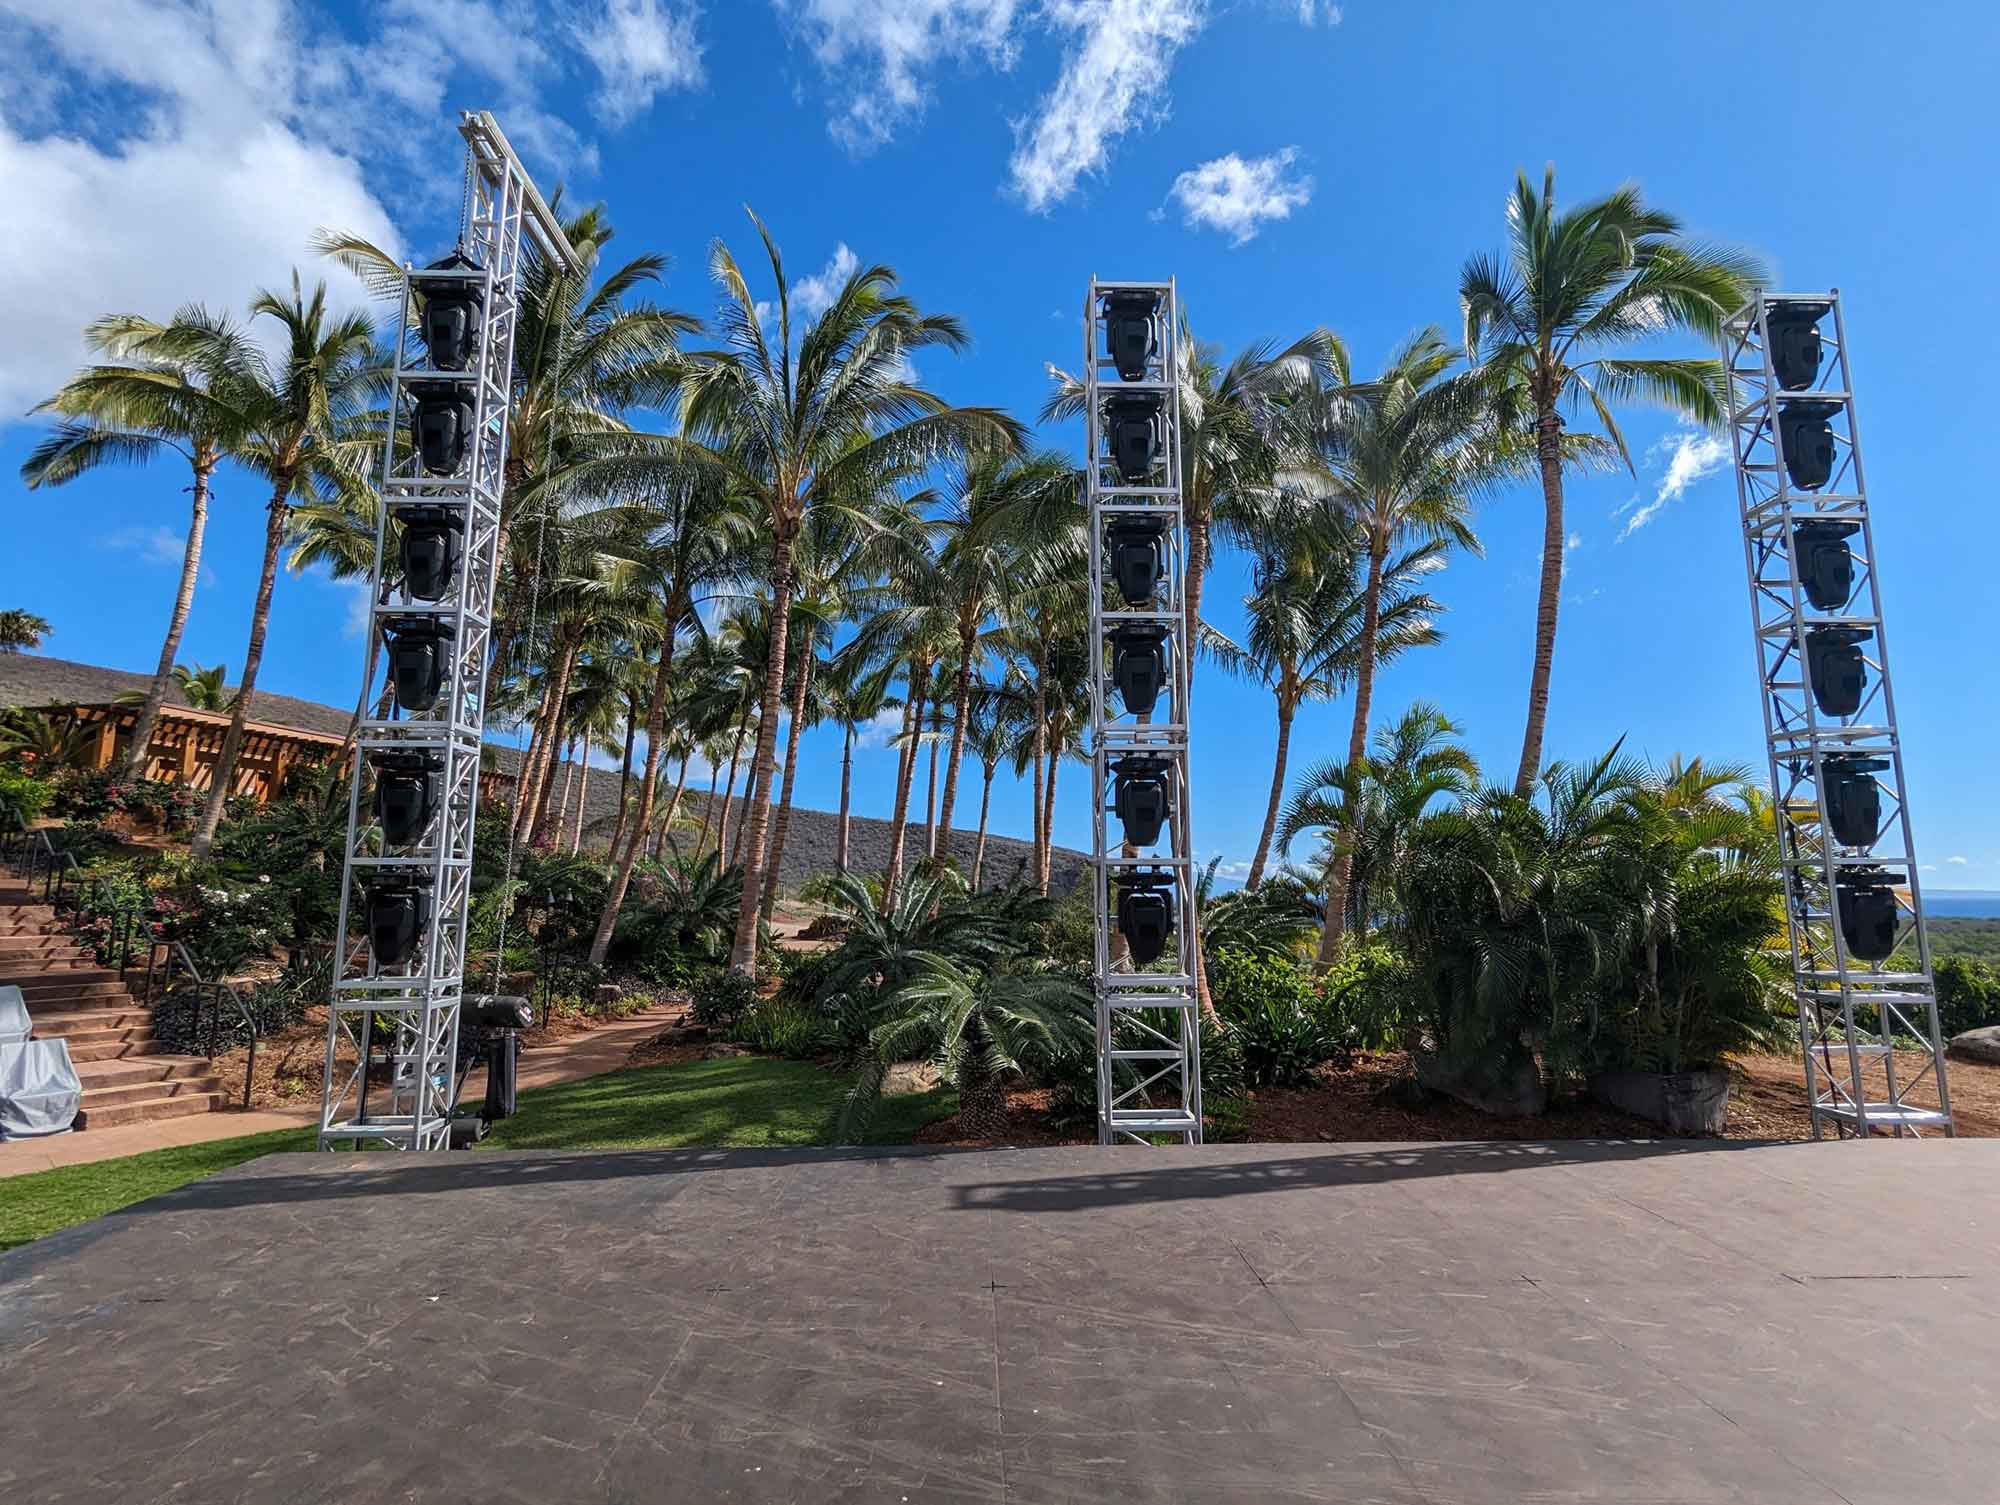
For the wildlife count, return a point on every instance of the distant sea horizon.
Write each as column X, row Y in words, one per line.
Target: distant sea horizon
column 1962, row 903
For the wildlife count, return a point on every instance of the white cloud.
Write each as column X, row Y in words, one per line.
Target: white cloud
column 640, row 48
column 1573, row 542
column 813, row 296
column 1958, row 861
column 879, row 732
column 1115, row 78
column 1235, row 195
column 877, row 50
column 154, row 545
column 1311, row 12
column 1692, row 457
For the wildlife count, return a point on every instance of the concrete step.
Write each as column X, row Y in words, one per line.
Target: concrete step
column 147, row 1109
column 142, row 1071
column 111, row 1045
column 98, row 1098
column 87, row 1019
column 64, row 995
column 83, row 966
column 14, row 943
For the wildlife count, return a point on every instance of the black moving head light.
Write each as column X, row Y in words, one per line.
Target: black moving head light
column 399, row 912
column 1128, row 331
column 441, row 424
column 1795, row 344
column 1836, row 668
column 417, row 650
column 1868, row 912
column 1133, row 430
column 451, row 316
column 1139, row 665
column 408, row 793
column 1825, row 562
column 429, row 550
column 1853, row 797
column 1806, row 428
column 1137, row 546
column 1146, row 914
column 1142, row 797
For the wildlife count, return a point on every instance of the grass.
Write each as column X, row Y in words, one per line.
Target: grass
column 745, row 1101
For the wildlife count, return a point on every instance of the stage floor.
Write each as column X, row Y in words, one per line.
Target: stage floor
column 1429, row 1323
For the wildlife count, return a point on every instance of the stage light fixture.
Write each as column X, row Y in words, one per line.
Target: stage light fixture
column 417, row 649
column 408, row 791
column 1808, row 439
column 441, row 424
column 1838, row 672
column 1853, row 797
column 1794, row 342
column 1132, row 426
column 429, row 550
column 1139, row 665
column 1142, row 797
column 1128, row 332
column 1868, row 912
column 1824, row 560
column 452, row 310
column 1137, row 546
column 399, row 912
column 1146, row 914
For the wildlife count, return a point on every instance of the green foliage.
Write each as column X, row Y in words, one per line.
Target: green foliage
column 1968, row 994
column 292, row 847
column 1371, row 989
column 779, row 1027
column 23, row 797
column 932, row 922
column 721, row 999
column 43, row 742
column 1274, row 921
column 683, row 921
column 1958, row 935
column 1278, row 1017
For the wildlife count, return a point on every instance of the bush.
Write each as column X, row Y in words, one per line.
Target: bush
column 23, row 797
column 1371, row 993
column 721, row 1000
column 777, row 1028
column 1968, row 995
column 1278, row 1017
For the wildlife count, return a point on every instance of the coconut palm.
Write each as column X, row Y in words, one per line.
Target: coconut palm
column 205, row 689
column 1366, row 810
column 300, row 435
column 818, row 421
column 1310, row 628
column 1610, row 272
column 22, row 629
column 856, row 694
column 174, row 387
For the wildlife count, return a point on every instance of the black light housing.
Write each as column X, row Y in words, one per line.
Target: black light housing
column 1838, row 672
column 399, row 912
column 1794, row 342
column 1137, row 546
column 1139, row 665
column 1142, row 797
column 1825, row 562
column 441, row 424
column 1867, row 912
column 1853, row 798
column 1807, row 432
column 451, row 316
column 1133, row 430
column 429, row 550
column 417, row 649
column 408, row 791
column 1146, row 914
column 499, row 1011
column 1128, row 331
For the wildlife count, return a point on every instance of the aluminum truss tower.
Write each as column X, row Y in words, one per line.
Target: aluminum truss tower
column 442, row 478
column 1148, row 1021
column 1837, row 789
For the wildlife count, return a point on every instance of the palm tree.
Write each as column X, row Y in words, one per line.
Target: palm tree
column 856, row 695
column 340, row 535
column 298, row 435
column 205, row 689
column 1367, row 809
column 1310, row 629
column 1607, row 273
column 22, row 629
column 818, row 423
column 176, row 386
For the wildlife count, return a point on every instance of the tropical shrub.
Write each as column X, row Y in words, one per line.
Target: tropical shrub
column 23, row 797
column 1278, row 1018
column 721, row 999
column 1968, row 994
column 1370, row 991
column 683, row 921
column 932, row 921
column 779, row 1027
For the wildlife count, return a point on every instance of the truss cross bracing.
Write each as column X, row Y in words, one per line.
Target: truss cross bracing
column 392, row 1031
column 1148, row 1023
column 1861, row 961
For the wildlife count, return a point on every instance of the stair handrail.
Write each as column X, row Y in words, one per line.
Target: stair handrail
column 33, row 852
column 208, row 1007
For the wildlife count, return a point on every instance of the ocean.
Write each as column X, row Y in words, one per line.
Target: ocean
column 1962, row 904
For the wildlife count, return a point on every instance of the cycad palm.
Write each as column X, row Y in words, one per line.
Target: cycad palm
column 1610, row 272
column 174, row 386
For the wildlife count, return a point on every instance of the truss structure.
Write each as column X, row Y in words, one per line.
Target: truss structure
column 1836, row 762
column 392, row 1030
column 1148, row 1022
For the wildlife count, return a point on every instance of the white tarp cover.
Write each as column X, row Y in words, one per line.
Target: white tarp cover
column 14, row 1026
column 39, row 1092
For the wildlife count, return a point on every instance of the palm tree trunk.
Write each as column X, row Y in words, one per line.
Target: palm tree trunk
column 1035, row 789
column 1333, row 931
column 582, row 789
column 253, row 660
column 728, row 791
column 707, row 810
column 931, row 798
column 800, row 689
column 541, row 766
column 1548, row 443
column 649, row 783
column 906, row 776
column 743, row 952
column 961, row 706
column 846, row 797
column 156, row 693
column 673, row 805
column 1285, row 713
column 985, row 804
column 1049, row 826
column 1196, row 572
column 625, row 773
column 568, row 763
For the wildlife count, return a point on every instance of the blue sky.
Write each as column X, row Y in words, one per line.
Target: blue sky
column 1292, row 162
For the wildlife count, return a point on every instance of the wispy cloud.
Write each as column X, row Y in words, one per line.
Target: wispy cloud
column 1692, row 457
column 881, row 730
column 641, row 49
column 1237, row 195
column 813, row 296
column 1959, row 861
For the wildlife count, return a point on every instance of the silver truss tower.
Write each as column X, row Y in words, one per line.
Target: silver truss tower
column 1830, row 723
column 1148, row 1020
column 414, row 1004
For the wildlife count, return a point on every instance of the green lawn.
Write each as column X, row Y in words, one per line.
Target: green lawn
column 741, row 1100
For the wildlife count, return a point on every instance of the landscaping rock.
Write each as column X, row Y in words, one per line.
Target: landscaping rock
column 725, row 1050
column 1978, row 1045
column 1514, row 1093
column 609, row 992
column 1687, row 1102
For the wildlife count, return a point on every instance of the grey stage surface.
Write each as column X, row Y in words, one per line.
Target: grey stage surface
column 1430, row 1323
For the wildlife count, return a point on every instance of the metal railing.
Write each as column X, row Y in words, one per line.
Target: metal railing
column 212, row 1026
